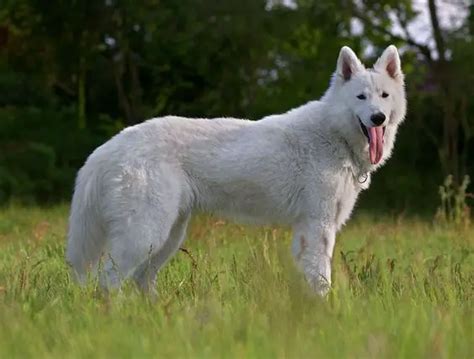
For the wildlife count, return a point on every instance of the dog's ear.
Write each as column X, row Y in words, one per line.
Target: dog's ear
column 348, row 64
column 390, row 62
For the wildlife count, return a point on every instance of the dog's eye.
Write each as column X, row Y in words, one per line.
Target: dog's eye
column 361, row 97
column 384, row 94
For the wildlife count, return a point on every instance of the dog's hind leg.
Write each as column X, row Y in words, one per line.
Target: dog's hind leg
column 145, row 275
column 133, row 238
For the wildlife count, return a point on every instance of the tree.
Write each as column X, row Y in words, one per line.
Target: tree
column 447, row 63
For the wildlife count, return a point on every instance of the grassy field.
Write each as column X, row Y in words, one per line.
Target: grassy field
column 403, row 288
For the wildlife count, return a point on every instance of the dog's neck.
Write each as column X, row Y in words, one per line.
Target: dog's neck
column 315, row 117
column 359, row 167
column 352, row 148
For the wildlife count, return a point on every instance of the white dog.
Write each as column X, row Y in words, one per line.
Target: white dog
column 305, row 168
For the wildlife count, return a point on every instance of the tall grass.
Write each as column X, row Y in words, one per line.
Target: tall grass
column 403, row 288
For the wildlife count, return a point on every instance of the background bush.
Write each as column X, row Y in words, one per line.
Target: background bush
column 72, row 74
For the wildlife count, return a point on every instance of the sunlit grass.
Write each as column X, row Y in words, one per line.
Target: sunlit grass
column 402, row 288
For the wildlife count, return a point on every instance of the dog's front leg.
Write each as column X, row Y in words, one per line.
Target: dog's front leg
column 313, row 245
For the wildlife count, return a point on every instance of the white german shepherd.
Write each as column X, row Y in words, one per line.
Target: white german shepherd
column 304, row 168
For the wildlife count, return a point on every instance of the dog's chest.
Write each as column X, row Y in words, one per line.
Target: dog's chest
column 346, row 195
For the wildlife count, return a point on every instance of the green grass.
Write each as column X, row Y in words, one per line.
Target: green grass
column 403, row 288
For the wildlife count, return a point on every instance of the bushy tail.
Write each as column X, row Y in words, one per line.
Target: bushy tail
column 86, row 237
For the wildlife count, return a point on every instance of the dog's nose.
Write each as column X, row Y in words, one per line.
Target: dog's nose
column 377, row 118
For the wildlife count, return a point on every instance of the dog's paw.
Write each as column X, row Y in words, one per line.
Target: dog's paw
column 320, row 285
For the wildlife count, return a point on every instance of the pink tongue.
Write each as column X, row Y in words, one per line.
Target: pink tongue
column 375, row 144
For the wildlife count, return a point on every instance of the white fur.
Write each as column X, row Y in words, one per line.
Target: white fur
column 305, row 168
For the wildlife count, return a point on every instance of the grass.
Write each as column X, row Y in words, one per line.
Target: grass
column 403, row 288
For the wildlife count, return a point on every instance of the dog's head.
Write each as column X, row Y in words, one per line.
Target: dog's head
column 373, row 99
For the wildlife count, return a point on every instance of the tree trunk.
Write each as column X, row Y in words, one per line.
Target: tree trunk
column 449, row 155
column 124, row 102
column 136, row 92
column 81, row 94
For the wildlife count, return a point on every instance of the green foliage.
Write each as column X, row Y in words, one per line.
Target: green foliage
column 454, row 208
column 402, row 289
column 73, row 73
column 40, row 154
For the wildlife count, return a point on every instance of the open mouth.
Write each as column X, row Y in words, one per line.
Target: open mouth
column 375, row 137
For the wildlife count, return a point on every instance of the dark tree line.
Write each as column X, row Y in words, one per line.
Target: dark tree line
column 72, row 73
